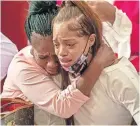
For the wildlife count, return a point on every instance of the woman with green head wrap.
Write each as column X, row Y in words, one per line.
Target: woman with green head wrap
column 33, row 74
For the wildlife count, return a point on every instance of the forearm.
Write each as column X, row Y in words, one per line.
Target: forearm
column 104, row 10
column 87, row 81
column 110, row 16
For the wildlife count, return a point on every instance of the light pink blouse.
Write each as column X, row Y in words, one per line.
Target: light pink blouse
column 25, row 79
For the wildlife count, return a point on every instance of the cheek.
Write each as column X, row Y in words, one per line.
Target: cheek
column 41, row 63
column 75, row 53
column 56, row 51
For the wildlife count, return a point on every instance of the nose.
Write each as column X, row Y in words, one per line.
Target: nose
column 62, row 51
column 52, row 64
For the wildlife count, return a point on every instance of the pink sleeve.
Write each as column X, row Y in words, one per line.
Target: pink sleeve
column 42, row 91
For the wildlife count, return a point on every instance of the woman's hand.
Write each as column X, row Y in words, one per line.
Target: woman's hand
column 105, row 56
column 104, row 10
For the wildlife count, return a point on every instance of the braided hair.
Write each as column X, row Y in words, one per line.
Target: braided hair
column 40, row 16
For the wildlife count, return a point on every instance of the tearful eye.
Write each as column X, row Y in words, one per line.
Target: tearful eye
column 43, row 58
column 70, row 45
column 56, row 45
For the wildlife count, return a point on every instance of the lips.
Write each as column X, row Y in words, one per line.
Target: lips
column 64, row 60
column 65, row 64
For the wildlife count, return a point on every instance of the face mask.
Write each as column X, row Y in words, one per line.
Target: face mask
column 78, row 66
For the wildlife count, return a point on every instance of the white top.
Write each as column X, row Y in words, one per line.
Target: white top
column 114, row 98
column 118, row 35
column 7, row 51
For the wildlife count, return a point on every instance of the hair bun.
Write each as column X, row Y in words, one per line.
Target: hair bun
column 38, row 7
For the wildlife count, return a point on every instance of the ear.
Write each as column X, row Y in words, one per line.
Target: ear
column 91, row 39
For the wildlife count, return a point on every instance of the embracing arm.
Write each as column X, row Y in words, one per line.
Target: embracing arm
column 42, row 90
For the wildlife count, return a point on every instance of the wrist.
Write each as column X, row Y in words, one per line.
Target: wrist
column 98, row 64
column 111, row 16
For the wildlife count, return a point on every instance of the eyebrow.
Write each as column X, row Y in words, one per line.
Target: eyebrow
column 65, row 40
column 40, row 55
column 69, row 40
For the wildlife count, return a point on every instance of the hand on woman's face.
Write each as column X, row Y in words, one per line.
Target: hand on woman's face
column 68, row 45
column 103, row 9
column 43, row 52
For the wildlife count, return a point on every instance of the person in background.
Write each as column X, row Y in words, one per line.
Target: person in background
column 127, row 32
column 7, row 51
column 131, row 8
column 13, row 15
column 117, row 27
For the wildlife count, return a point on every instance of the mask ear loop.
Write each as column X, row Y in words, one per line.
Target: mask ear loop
column 90, row 49
column 106, row 41
column 85, row 49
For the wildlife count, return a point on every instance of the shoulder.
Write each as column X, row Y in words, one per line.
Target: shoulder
column 120, row 76
column 22, row 62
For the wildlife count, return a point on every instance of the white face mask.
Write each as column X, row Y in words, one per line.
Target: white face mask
column 78, row 66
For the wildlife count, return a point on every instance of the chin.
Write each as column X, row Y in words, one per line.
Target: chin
column 52, row 73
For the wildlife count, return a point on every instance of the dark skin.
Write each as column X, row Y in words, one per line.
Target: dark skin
column 104, row 10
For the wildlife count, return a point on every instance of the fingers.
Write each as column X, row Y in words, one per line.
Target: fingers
column 105, row 46
column 92, row 3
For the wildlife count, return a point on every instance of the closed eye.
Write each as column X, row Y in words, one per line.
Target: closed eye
column 43, row 57
column 56, row 45
column 70, row 45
